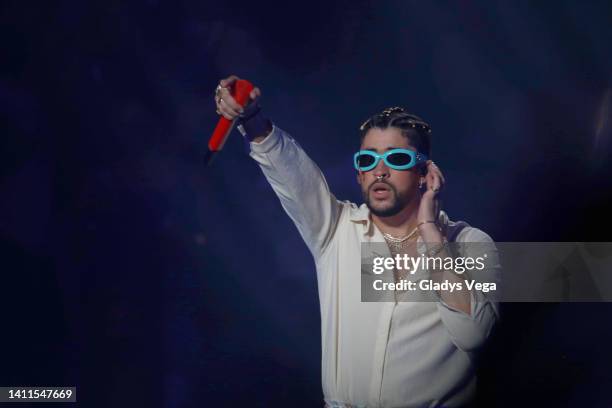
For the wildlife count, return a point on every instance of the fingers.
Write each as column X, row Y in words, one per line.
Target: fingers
column 226, row 110
column 255, row 93
column 435, row 178
column 226, row 104
column 229, row 81
column 227, row 101
column 433, row 182
column 437, row 170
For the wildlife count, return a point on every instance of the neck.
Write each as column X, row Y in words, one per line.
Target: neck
column 400, row 224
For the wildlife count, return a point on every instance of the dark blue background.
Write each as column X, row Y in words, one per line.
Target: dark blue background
column 146, row 279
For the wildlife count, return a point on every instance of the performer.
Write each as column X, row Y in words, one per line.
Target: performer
column 377, row 354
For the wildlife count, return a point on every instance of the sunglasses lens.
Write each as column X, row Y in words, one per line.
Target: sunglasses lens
column 365, row 160
column 399, row 159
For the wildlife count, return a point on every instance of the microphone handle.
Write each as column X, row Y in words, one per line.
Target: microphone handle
column 240, row 91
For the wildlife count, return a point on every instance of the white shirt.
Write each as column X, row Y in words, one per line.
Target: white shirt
column 374, row 354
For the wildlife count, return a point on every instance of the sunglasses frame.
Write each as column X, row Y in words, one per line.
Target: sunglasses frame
column 417, row 158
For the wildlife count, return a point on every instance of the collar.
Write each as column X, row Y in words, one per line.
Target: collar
column 362, row 215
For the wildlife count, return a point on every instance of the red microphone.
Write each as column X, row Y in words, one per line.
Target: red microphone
column 240, row 91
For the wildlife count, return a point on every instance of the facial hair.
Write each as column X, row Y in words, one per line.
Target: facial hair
column 397, row 205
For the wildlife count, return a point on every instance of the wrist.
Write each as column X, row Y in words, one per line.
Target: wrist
column 427, row 224
column 253, row 125
column 430, row 232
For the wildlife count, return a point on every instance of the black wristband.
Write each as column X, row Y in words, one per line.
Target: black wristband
column 253, row 123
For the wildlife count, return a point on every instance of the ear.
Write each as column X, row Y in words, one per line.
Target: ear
column 358, row 177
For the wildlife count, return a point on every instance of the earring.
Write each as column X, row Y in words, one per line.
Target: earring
column 421, row 184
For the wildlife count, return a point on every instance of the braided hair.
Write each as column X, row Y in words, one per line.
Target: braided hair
column 411, row 126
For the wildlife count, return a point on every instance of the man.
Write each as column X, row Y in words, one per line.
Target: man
column 377, row 354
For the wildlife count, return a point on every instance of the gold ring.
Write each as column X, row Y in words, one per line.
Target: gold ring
column 218, row 90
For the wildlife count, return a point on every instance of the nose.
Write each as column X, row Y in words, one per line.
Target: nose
column 381, row 171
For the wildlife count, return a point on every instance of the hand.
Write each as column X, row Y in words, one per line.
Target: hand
column 430, row 200
column 226, row 104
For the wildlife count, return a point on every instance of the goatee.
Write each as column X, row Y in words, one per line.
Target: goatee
column 398, row 203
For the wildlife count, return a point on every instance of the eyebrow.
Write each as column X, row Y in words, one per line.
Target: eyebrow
column 371, row 149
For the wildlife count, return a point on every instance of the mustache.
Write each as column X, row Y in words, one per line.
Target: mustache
column 391, row 186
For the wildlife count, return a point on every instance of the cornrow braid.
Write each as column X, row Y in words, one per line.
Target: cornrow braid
column 411, row 126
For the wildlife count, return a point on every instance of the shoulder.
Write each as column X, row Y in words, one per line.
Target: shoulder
column 473, row 234
column 473, row 242
column 353, row 215
column 356, row 212
column 467, row 232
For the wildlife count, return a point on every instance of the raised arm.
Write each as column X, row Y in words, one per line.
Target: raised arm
column 294, row 177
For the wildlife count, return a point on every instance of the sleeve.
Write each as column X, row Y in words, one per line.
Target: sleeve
column 301, row 188
column 469, row 332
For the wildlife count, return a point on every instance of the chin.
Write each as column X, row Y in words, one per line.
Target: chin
column 384, row 210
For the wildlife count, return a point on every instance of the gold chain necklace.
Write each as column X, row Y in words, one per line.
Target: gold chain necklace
column 398, row 243
column 399, row 246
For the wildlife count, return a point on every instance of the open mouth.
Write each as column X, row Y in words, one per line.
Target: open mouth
column 381, row 190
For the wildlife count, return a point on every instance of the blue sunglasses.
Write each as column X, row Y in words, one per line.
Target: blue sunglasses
column 398, row 159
